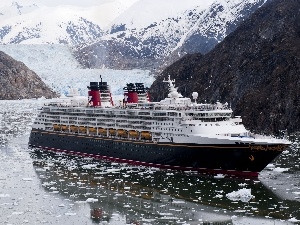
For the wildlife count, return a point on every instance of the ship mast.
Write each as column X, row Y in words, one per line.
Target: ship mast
column 173, row 90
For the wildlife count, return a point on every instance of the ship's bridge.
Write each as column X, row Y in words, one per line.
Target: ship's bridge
column 179, row 101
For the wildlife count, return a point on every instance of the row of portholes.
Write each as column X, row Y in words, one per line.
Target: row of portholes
column 170, row 129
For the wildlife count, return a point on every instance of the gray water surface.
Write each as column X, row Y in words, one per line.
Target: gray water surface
column 38, row 187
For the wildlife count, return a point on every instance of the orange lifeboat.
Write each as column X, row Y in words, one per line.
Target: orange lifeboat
column 82, row 129
column 56, row 127
column 112, row 132
column 64, row 128
column 122, row 133
column 73, row 128
column 146, row 135
column 92, row 130
column 102, row 131
column 133, row 133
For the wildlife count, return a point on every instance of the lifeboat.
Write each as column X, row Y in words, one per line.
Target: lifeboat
column 64, row 128
column 112, row 132
column 122, row 133
column 82, row 129
column 56, row 127
column 134, row 133
column 146, row 135
column 73, row 128
column 92, row 130
column 102, row 131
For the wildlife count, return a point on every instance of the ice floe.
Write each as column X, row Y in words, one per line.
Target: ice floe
column 243, row 195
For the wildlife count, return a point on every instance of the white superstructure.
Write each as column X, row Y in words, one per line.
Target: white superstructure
column 175, row 119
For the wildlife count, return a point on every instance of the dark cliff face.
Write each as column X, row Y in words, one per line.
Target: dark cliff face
column 19, row 82
column 256, row 69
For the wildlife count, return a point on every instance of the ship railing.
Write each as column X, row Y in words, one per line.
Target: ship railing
column 108, row 122
column 137, row 124
column 146, row 128
column 122, row 123
column 147, row 123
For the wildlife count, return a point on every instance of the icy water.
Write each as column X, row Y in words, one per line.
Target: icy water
column 39, row 187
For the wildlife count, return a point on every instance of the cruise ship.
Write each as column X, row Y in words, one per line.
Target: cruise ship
column 175, row 133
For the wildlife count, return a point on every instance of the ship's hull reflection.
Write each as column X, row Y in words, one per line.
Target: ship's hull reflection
column 136, row 195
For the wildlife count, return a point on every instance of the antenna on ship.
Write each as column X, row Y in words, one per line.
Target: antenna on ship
column 172, row 89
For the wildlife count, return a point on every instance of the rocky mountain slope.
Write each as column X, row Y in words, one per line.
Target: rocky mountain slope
column 52, row 27
column 135, row 44
column 56, row 22
column 256, row 69
column 60, row 71
column 124, row 34
column 19, row 82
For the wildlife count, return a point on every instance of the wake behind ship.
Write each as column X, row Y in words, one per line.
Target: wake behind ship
column 175, row 133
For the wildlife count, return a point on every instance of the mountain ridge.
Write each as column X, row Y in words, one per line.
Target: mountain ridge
column 135, row 34
column 200, row 29
column 255, row 68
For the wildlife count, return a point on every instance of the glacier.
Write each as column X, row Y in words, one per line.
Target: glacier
column 57, row 67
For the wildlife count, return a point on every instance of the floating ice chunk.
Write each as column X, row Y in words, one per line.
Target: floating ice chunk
column 4, row 195
column 279, row 169
column 89, row 166
column 92, row 200
column 70, row 214
column 80, row 202
column 45, row 184
column 219, row 196
column 243, row 195
column 219, row 176
column 18, row 213
column 27, row 179
column 113, row 170
column 270, row 166
column 294, row 220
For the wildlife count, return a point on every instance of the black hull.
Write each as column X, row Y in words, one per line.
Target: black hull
column 235, row 159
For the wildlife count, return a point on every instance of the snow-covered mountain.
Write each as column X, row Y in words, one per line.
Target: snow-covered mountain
column 137, row 42
column 47, row 21
column 123, row 33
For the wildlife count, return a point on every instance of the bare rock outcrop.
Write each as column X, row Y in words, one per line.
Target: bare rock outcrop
column 17, row 81
column 256, row 69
